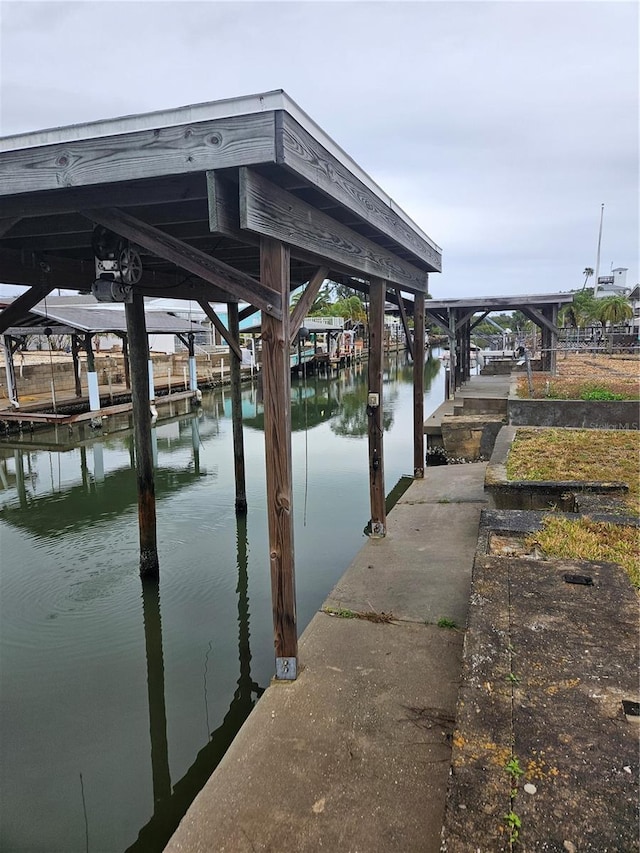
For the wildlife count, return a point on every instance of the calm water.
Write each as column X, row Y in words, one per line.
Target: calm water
column 118, row 701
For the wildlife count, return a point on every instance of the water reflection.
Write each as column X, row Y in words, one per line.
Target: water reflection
column 72, row 636
column 170, row 804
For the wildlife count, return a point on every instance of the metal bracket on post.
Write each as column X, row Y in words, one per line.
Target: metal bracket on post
column 286, row 669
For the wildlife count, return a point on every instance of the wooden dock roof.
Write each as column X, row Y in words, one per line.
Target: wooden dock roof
column 195, row 189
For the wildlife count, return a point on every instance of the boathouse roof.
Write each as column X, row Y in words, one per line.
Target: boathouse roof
column 194, row 189
column 70, row 315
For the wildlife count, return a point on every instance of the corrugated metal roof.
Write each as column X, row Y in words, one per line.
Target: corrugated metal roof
column 86, row 315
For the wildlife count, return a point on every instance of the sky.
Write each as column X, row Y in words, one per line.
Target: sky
column 499, row 127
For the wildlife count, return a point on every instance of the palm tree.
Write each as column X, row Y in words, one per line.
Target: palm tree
column 613, row 310
column 587, row 273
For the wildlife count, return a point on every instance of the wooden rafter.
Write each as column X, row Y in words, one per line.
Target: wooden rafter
column 238, row 284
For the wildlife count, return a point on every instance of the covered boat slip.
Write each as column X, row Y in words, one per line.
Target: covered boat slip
column 457, row 318
column 243, row 199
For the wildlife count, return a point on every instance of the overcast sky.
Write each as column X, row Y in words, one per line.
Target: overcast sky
column 499, row 127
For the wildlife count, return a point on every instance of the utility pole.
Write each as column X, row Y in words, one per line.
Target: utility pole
column 595, row 289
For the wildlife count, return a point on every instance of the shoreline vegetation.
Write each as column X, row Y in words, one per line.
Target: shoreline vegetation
column 587, row 455
column 587, row 376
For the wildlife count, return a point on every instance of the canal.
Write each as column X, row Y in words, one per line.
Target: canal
column 118, row 701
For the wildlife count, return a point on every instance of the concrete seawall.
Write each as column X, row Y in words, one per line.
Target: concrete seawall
column 355, row 754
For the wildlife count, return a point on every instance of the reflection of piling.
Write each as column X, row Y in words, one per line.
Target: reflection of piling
column 245, row 685
column 138, row 355
column 236, row 411
column 155, row 687
column 20, row 484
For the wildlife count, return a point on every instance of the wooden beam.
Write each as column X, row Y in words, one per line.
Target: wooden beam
column 438, row 321
column 405, row 322
column 306, row 300
column 249, row 311
column 34, row 269
column 378, row 522
column 304, row 155
column 418, row 387
column 272, row 212
column 76, row 364
column 276, row 372
column 224, row 218
column 10, row 372
column 65, row 200
column 139, row 356
column 479, row 320
column 7, row 224
column 236, row 412
column 220, row 326
column 187, row 257
column 150, row 153
column 539, row 319
column 22, row 305
column 464, row 318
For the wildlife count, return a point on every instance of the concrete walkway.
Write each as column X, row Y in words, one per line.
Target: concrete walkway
column 355, row 755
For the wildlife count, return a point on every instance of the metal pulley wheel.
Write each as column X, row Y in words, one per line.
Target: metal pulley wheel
column 130, row 265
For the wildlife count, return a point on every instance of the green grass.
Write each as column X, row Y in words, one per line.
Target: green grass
column 604, row 455
column 584, row 539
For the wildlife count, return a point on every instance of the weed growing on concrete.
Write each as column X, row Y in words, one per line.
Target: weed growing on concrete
column 513, row 768
column 514, row 825
column 446, row 623
column 513, row 678
column 340, row 612
column 368, row 615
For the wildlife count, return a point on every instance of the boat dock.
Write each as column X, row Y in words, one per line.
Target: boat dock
column 355, row 754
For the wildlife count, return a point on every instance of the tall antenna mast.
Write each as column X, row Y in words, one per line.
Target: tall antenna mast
column 595, row 290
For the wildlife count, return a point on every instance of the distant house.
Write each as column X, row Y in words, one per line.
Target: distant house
column 613, row 285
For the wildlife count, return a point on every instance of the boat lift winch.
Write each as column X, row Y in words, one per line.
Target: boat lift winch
column 118, row 266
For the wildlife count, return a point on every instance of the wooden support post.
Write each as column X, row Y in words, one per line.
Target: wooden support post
column 466, row 348
column 91, row 364
column 418, row 386
column 236, row 411
column 378, row 523
column 552, row 316
column 76, row 365
column 125, row 356
column 138, row 355
column 193, row 370
column 546, row 347
column 453, row 359
column 276, row 372
column 92, row 376
column 12, row 388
